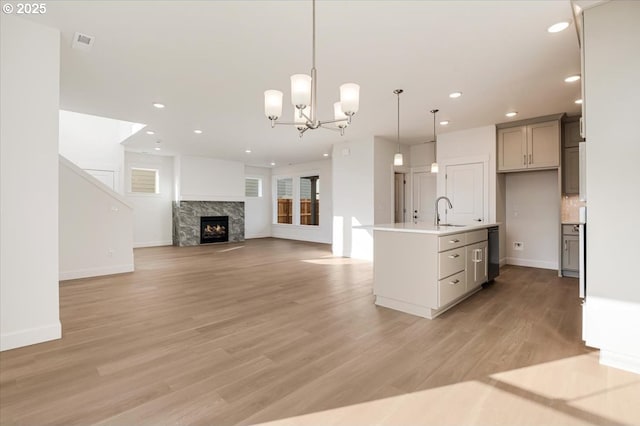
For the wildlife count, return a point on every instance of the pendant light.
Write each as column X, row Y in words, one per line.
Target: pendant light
column 397, row 159
column 434, row 165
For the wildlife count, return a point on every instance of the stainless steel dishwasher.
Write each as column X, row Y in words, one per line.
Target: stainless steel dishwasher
column 493, row 268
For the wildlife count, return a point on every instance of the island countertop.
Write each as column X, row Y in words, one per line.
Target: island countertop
column 430, row 228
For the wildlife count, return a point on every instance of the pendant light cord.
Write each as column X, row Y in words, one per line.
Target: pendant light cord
column 398, row 137
column 313, row 38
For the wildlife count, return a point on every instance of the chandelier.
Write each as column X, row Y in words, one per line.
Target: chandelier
column 304, row 99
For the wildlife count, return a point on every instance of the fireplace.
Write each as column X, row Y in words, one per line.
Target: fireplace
column 214, row 229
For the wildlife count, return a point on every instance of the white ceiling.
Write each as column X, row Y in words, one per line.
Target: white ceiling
column 210, row 62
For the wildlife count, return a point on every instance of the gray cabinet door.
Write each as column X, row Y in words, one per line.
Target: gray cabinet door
column 571, row 171
column 512, row 148
column 543, row 145
column 570, row 253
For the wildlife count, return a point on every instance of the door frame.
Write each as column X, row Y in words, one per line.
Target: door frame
column 412, row 171
column 441, row 183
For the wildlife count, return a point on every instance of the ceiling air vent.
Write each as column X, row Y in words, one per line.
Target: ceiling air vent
column 82, row 41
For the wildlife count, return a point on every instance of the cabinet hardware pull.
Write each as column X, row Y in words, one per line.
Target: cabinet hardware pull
column 454, row 282
column 530, row 158
column 454, row 241
column 565, row 246
column 524, row 161
column 453, row 256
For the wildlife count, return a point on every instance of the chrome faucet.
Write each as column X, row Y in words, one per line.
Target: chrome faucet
column 436, row 220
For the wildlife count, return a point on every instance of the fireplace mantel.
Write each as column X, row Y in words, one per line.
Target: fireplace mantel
column 186, row 220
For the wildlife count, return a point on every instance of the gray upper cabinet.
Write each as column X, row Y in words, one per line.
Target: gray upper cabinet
column 572, row 133
column 570, row 171
column 571, row 158
column 529, row 146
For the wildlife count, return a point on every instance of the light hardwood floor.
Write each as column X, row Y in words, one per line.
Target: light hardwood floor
column 266, row 330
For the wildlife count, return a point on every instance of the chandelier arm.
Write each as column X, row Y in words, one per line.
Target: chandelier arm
column 334, row 129
column 302, row 114
column 333, row 121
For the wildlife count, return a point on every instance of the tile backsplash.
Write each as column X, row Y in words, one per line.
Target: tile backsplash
column 571, row 208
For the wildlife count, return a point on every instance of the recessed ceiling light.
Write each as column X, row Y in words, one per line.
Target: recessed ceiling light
column 197, row 132
column 248, row 151
column 572, row 78
column 273, row 164
column 556, row 28
column 158, row 105
column 455, row 95
column 151, row 132
column 578, row 101
column 511, row 114
column 444, row 123
column 157, row 148
column 325, row 155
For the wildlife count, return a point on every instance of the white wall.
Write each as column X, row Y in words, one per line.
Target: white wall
column 611, row 315
column 94, row 143
column 29, row 83
column 318, row 234
column 353, row 198
column 152, row 213
column 533, row 218
column 258, row 210
column 209, row 179
column 421, row 154
column 96, row 226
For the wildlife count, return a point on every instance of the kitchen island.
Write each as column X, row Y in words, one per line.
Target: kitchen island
column 423, row 269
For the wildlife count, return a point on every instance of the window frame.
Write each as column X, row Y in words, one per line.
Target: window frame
column 260, row 186
column 130, row 190
column 296, row 199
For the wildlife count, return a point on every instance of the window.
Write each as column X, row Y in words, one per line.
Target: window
column 144, row 181
column 285, row 200
column 309, row 200
column 253, row 187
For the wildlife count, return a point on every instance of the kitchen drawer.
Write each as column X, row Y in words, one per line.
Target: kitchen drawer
column 448, row 242
column 570, row 229
column 451, row 261
column 477, row 236
column 451, row 288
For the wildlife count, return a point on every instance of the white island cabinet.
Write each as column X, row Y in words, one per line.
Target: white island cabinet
column 424, row 270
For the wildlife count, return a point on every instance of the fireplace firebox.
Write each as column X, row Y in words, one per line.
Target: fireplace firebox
column 214, row 229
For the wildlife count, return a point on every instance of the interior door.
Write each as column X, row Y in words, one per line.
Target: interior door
column 424, row 196
column 465, row 188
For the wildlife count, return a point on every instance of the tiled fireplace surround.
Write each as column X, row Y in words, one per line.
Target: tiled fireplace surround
column 186, row 220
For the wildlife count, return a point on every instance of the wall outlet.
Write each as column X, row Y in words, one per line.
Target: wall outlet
column 110, row 252
column 518, row 245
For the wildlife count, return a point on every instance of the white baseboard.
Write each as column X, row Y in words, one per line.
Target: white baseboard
column 30, row 336
column 532, row 263
column 264, row 235
column 611, row 326
column 620, row 361
column 95, row 272
column 153, row 244
column 503, row 261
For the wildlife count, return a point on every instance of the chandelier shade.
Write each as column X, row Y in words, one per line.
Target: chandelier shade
column 273, row 104
column 350, row 98
column 300, row 90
